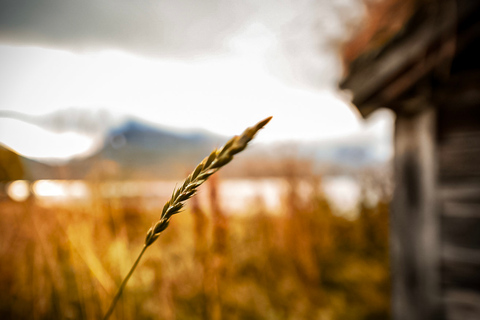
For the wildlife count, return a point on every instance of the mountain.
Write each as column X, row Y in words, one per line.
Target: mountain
column 124, row 147
column 133, row 149
column 142, row 149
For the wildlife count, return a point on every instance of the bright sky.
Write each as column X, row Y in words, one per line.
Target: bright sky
column 232, row 68
column 222, row 94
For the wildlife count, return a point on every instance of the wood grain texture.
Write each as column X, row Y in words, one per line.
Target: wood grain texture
column 415, row 235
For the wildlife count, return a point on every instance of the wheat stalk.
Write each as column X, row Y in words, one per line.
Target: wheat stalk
column 211, row 164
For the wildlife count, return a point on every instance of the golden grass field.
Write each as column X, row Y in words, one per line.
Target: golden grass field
column 66, row 262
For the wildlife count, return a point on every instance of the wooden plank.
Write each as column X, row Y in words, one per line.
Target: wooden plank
column 462, row 255
column 462, row 304
column 456, row 209
column 433, row 40
column 459, row 143
column 460, row 268
column 461, row 231
column 465, row 192
column 415, row 237
column 384, row 70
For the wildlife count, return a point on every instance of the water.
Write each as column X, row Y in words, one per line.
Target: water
column 234, row 195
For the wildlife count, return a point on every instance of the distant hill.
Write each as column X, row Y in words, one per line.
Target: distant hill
column 133, row 149
column 143, row 150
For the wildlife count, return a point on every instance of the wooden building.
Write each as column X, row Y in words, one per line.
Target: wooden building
column 428, row 72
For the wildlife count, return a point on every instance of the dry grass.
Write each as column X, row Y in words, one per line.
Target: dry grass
column 64, row 263
column 211, row 164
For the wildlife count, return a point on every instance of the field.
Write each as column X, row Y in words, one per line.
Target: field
column 307, row 262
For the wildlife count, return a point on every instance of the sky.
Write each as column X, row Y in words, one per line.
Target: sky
column 218, row 65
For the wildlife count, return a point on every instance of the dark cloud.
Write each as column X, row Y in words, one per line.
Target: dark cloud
column 169, row 28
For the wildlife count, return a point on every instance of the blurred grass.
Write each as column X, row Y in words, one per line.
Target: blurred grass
column 66, row 262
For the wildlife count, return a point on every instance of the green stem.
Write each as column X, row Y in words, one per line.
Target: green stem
column 122, row 286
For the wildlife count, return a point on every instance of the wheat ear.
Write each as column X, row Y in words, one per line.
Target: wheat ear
column 211, row 164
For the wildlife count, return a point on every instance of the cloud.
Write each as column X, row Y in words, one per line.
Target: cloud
column 298, row 40
column 167, row 28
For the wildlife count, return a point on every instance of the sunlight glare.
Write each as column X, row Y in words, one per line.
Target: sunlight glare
column 18, row 190
column 49, row 188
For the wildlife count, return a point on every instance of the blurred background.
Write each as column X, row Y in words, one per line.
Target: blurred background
column 106, row 105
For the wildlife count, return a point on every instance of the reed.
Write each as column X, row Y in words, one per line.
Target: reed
column 211, row 164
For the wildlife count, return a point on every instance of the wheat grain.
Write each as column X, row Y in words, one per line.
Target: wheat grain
column 211, row 164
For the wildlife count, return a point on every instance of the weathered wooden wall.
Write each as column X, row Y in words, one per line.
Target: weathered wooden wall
column 415, row 231
column 430, row 76
column 459, row 203
column 457, row 98
column 435, row 222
